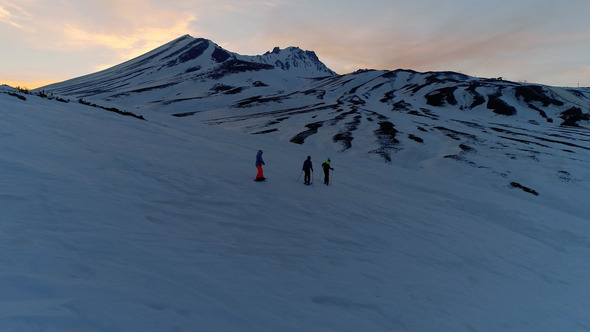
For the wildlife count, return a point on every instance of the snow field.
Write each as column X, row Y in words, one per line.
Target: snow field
column 111, row 223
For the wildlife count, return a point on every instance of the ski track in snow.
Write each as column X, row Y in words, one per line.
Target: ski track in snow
column 110, row 223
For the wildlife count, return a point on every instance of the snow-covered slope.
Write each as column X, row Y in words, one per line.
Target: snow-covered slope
column 112, row 223
column 430, row 121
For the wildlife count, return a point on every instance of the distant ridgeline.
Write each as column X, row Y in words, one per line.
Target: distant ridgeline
column 290, row 94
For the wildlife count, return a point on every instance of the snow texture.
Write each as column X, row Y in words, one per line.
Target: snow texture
column 442, row 214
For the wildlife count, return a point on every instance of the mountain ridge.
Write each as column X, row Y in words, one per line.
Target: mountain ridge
column 188, row 58
column 379, row 114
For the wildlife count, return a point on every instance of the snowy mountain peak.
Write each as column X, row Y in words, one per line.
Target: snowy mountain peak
column 186, row 61
column 293, row 58
column 195, row 50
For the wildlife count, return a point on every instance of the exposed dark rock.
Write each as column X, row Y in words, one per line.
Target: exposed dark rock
column 345, row 139
column 191, row 51
column 531, row 93
column 234, row 91
column 415, row 138
column 220, row 55
column 499, row 106
column 111, row 109
column 148, row 88
column 456, row 135
column 429, row 114
column 192, row 69
column 181, row 115
column 564, row 176
column 226, row 89
column 21, row 97
column 442, row 96
column 388, row 97
column 478, row 99
column 265, row 131
column 249, row 101
column 355, row 100
column 221, row 88
column 401, row 105
column 460, row 158
column 237, row 66
column 525, row 189
column 572, row 116
column 541, row 112
column 386, row 139
column 466, row 148
column 313, row 129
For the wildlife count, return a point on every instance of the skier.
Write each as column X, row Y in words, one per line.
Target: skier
column 259, row 163
column 327, row 168
column 307, row 168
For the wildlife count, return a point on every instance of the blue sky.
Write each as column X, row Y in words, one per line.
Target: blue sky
column 538, row 41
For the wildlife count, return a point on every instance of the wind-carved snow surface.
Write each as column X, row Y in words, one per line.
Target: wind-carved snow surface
column 112, row 223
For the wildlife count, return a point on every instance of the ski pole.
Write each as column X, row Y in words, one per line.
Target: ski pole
column 299, row 176
column 332, row 176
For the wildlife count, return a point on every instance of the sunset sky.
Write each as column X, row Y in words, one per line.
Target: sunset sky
column 540, row 41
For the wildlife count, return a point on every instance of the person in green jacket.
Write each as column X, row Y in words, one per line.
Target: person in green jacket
column 326, row 166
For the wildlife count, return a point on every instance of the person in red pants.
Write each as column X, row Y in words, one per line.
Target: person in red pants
column 259, row 163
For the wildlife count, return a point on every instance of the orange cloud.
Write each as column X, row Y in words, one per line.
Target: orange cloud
column 76, row 36
column 8, row 18
column 4, row 14
column 134, row 42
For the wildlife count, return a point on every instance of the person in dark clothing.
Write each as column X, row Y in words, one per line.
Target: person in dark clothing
column 307, row 168
column 326, row 166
